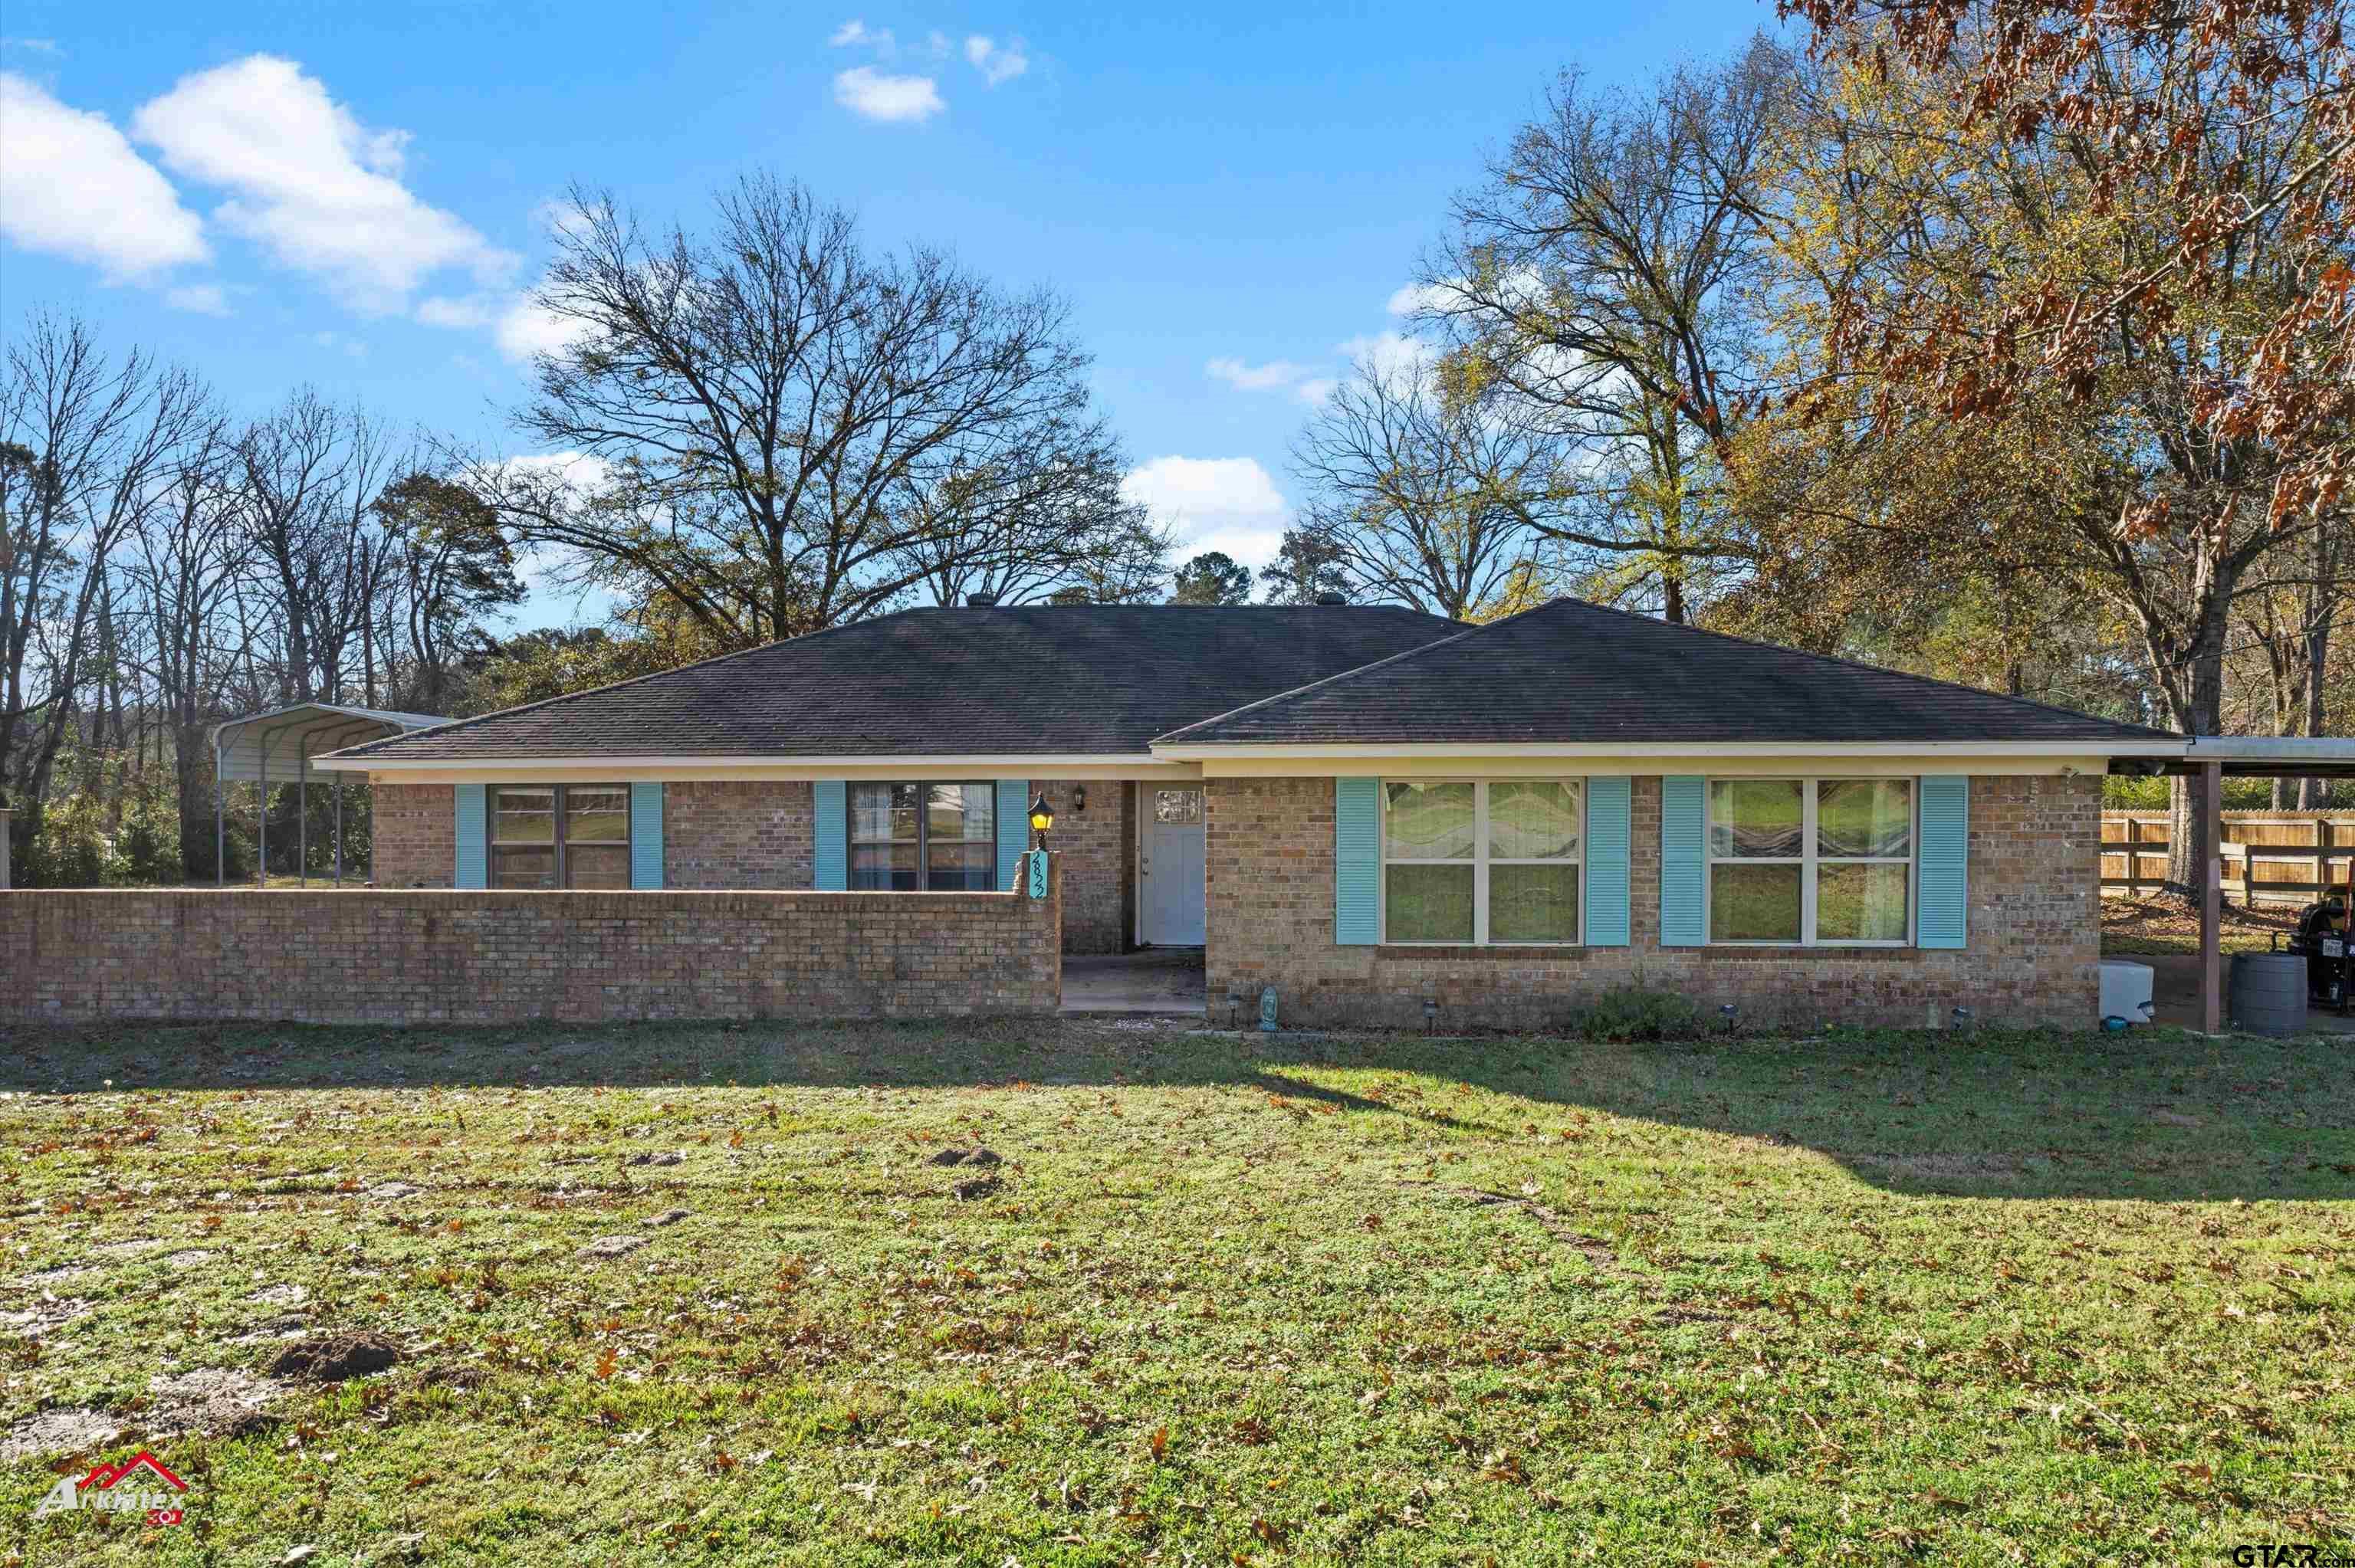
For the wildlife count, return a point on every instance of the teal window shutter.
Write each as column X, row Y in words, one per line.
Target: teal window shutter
column 645, row 835
column 1684, row 868
column 832, row 857
column 1610, row 836
column 1357, row 862
column 1943, row 862
column 474, row 836
column 1013, row 828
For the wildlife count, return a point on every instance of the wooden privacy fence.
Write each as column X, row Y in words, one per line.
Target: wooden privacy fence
column 2270, row 857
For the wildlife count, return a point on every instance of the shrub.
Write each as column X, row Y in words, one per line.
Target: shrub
column 1637, row 1012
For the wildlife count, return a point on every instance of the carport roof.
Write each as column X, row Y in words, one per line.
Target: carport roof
column 287, row 738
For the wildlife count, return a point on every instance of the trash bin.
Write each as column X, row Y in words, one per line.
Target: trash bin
column 2269, row 992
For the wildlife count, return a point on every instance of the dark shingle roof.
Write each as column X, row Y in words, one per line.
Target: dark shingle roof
column 1050, row 679
column 1569, row 672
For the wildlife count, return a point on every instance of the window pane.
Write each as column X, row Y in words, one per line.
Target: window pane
column 1752, row 817
column 1427, row 903
column 1861, row 902
column 597, row 865
column 883, row 868
column 1865, row 817
column 962, row 868
column 1753, row 903
column 523, row 816
column 1428, row 821
column 1176, row 805
column 870, row 813
column 1532, row 903
column 965, row 813
column 527, row 867
column 596, row 813
column 1536, row 821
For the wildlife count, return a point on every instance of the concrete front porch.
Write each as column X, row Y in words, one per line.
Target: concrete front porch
column 1155, row 980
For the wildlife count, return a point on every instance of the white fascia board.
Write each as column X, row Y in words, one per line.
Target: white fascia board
column 1233, row 751
column 782, row 766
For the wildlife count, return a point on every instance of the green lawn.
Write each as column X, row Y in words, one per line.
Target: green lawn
column 2041, row 1297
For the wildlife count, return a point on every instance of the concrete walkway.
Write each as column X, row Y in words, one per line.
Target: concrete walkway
column 1156, row 980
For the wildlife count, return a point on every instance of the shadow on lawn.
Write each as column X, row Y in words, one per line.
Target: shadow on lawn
column 2153, row 1115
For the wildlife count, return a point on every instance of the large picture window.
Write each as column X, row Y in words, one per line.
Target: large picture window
column 559, row 835
column 1482, row 863
column 937, row 838
column 1812, row 861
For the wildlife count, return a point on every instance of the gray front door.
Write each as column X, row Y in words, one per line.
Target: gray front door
column 1169, row 867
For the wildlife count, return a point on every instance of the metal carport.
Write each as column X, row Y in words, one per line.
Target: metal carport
column 281, row 742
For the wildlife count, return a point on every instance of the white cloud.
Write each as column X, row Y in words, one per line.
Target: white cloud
column 34, row 45
column 878, row 96
column 71, row 185
column 1315, row 389
column 204, row 298
column 442, row 310
column 1422, row 297
column 333, row 341
column 1228, row 505
column 526, row 329
column 855, row 34
column 1265, row 378
column 321, row 193
column 1387, row 353
column 520, row 327
column 997, row 63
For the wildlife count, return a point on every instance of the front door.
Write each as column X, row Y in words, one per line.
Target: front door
column 1169, row 867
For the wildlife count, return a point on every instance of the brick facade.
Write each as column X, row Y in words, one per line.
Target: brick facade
column 1099, row 850
column 409, row 958
column 416, row 829
column 740, row 834
column 2034, row 938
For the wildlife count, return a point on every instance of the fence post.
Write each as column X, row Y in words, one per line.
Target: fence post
column 4, row 848
column 2321, row 858
column 2134, row 857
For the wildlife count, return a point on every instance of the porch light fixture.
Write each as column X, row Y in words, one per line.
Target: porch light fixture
column 1043, row 817
column 1079, row 797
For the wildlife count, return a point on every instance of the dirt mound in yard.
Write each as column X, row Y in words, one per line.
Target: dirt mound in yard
column 333, row 1358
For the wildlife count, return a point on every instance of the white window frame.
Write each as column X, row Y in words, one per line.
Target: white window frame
column 1480, row 863
column 1808, row 861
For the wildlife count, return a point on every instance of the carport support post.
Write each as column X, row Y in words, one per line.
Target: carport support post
column 220, row 824
column 2212, row 896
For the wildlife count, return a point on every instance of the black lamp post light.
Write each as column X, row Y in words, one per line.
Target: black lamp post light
column 1043, row 817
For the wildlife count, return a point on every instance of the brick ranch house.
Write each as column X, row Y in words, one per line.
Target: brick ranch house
column 1372, row 810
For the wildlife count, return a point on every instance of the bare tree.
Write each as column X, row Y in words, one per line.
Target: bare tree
column 192, row 553
column 1604, row 275
column 790, row 431
column 1425, row 495
column 84, row 442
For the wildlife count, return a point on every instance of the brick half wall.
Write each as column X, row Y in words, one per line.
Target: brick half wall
column 2033, row 956
column 410, row 958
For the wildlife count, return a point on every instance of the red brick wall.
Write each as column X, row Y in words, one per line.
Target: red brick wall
column 409, row 958
column 2034, row 936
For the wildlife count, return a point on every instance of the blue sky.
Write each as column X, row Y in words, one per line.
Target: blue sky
column 1230, row 195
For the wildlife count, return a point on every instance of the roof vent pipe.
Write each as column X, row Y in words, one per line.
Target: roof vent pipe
column 1332, row 598
column 982, row 600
